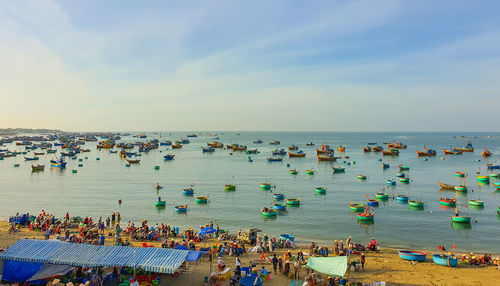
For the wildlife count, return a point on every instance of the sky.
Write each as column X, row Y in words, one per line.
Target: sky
column 250, row 65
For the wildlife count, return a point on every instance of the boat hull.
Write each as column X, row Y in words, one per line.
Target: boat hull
column 444, row 260
column 412, row 255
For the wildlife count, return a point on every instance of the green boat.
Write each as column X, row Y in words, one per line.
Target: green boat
column 309, row 172
column 382, row 196
column 202, row 200
column 265, row 186
column 461, row 188
column 230, row 188
column 357, row 208
column 498, row 210
column 362, row 177
column 494, row 175
column 293, row 172
column 448, row 202
column 269, row 213
column 416, row 204
column 320, row 190
column 293, row 202
column 404, row 168
column 338, row 170
column 476, row 203
column 461, row 219
column 365, row 217
column 483, row 179
column 160, row 203
column 404, row 180
column 459, row 174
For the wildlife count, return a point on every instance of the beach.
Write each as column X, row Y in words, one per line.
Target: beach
column 383, row 266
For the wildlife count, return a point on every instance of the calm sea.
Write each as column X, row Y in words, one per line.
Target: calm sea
column 97, row 186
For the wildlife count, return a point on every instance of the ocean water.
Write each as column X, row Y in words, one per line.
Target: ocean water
column 99, row 184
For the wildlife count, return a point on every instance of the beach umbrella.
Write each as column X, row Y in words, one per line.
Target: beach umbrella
column 207, row 230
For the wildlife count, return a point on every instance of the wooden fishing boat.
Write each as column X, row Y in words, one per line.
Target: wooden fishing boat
column 251, row 151
column 403, row 168
column 426, row 152
column 176, row 146
column 412, row 255
column 486, row 153
column 293, row 172
column 293, row 202
column 367, row 149
column 202, row 200
column 460, row 219
column 207, row 149
column 337, row 170
column 188, row 192
column 133, row 161
column 266, row 186
column 400, row 175
column 402, row 198
column 320, row 190
column 230, row 188
column 366, row 216
column 309, row 172
column 488, row 166
column 51, row 151
column 361, row 177
column 275, row 142
column 404, row 180
column 329, row 158
column 391, row 152
column 444, row 260
column 279, row 207
column 397, row 145
column 181, row 208
column 391, row 182
column 271, row 159
column 35, row 168
column 382, row 196
column 448, row 202
column 60, row 163
column 494, row 175
column 460, row 188
column 496, row 185
column 293, row 147
column 278, row 196
column 168, row 157
column 356, row 207
column 372, row 203
column 452, row 152
column 310, row 144
column 385, row 166
column 325, row 151
column 160, row 203
column 39, row 153
column 446, row 186
column 299, row 154
column 483, row 179
column 416, row 204
column 277, row 152
column 341, row 148
column 269, row 212
column 377, row 149
column 464, row 149
column 476, row 203
column 459, row 174
column 258, row 141
column 215, row 144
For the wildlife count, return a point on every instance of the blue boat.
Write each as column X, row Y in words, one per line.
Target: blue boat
column 271, row 159
column 251, row 281
column 207, row 149
column 412, row 255
column 280, row 152
column 279, row 207
column 385, row 166
column 444, row 260
column 372, row 203
column 278, row 196
column 290, row 237
column 168, row 157
column 402, row 198
column 400, row 175
column 58, row 163
column 188, row 192
column 390, row 182
column 166, row 143
column 492, row 167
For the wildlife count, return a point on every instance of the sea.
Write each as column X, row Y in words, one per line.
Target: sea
column 104, row 179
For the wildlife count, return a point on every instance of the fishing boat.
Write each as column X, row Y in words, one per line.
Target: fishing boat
column 497, row 185
column 268, row 212
column 337, row 170
column 168, row 157
column 328, row 158
column 367, row 149
column 51, row 151
column 166, row 143
column 372, row 202
column 230, row 188
column 310, row 144
column 498, row 210
column 60, row 163
column 400, row 175
column 416, row 204
column 391, row 182
column 448, row 202
column 266, row 186
column 486, row 153
column 31, row 159
column 444, row 260
column 404, row 180
column 202, row 200
column 483, row 179
column 133, row 161
column 356, row 207
column 402, row 198
column 215, row 144
column 397, row 145
column 39, row 153
column 377, row 149
column 278, row 196
column 494, row 175
column 390, row 152
column 426, row 152
column 309, row 172
column 176, row 146
column 488, row 166
column 459, row 174
column 412, row 255
column 188, row 191
column 160, row 203
column 207, row 149
column 382, row 196
column 279, row 207
column 293, row 202
column 35, row 168
column 299, row 154
column 460, row 219
column 403, row 168
column 452, row 152
column 460, row 188
column 476, row 203
column 271, row 159
column 292, row 172
column 258, row 141
column 385, row 166
column 320, row 190
column 361, row 177
column 366, row 216
column 293, row 147
column 275, row 142
column 280, row 152
column 181, row 208
column 341, row 148
column 446, row 186
column 192, row 135
column 251, row 151
column 158, row 187
column 325, row 149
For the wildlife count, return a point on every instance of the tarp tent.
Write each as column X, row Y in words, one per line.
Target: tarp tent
column 333, row 266
column 51, row 270
column 19, row 271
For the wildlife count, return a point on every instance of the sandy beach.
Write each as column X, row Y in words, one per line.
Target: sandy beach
column 384, row 266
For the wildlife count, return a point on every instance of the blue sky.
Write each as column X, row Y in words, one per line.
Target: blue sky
column 250, row 65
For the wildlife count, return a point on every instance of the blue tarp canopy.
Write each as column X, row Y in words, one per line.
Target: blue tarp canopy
column 334, row 266
column 158, row 260
column 207, row 230
column 193, row 256
column 18, row 271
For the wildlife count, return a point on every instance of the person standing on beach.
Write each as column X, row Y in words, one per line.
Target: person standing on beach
column 362, row 259
column 296, row 269
column 275, row 263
